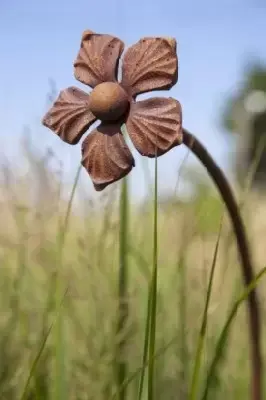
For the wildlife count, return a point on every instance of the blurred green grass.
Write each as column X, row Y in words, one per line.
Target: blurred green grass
column 79, row 299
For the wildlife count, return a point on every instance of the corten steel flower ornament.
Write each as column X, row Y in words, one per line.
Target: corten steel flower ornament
column 154, row 125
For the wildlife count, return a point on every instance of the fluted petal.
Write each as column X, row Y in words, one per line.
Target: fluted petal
column 150, row 64
column 70, row 116
column 106, row 156
column 98, row 58
column 155, row 125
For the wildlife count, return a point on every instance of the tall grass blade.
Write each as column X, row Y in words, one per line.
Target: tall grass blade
column 225, row 332
column 183, row 345
column 152, row 336
column 122, row 289
column 145, row 365
column 37, row 358
column 146, row 343
column 60, row 389
column 203, row 330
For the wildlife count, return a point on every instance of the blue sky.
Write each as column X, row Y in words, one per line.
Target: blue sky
column 40, row 40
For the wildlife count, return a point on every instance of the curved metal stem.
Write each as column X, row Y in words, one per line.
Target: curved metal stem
column 247, row 270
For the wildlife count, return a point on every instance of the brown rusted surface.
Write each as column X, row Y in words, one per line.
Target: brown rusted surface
column 155, row 125
column 86, row 34
column 109, row 101
column 98, row 58
column 70, row 116
column 150, row 64
column 106, row 156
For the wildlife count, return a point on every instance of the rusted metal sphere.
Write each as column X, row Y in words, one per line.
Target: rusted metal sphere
column 108, row 101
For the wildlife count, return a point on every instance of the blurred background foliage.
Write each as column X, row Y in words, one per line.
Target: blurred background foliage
column 33, row 205
column 245, row 115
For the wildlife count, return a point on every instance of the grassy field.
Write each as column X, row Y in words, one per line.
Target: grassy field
column 59, row 284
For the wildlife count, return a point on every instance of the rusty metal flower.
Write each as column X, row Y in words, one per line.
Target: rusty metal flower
column 154, row 125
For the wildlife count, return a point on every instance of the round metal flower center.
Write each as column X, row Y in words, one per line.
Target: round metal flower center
column 108, row 101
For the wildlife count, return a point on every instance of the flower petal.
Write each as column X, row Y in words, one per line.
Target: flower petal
column 98, row 58
column 106, row 156
column 150, row 64
column 155, row 124
column 70, row 116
